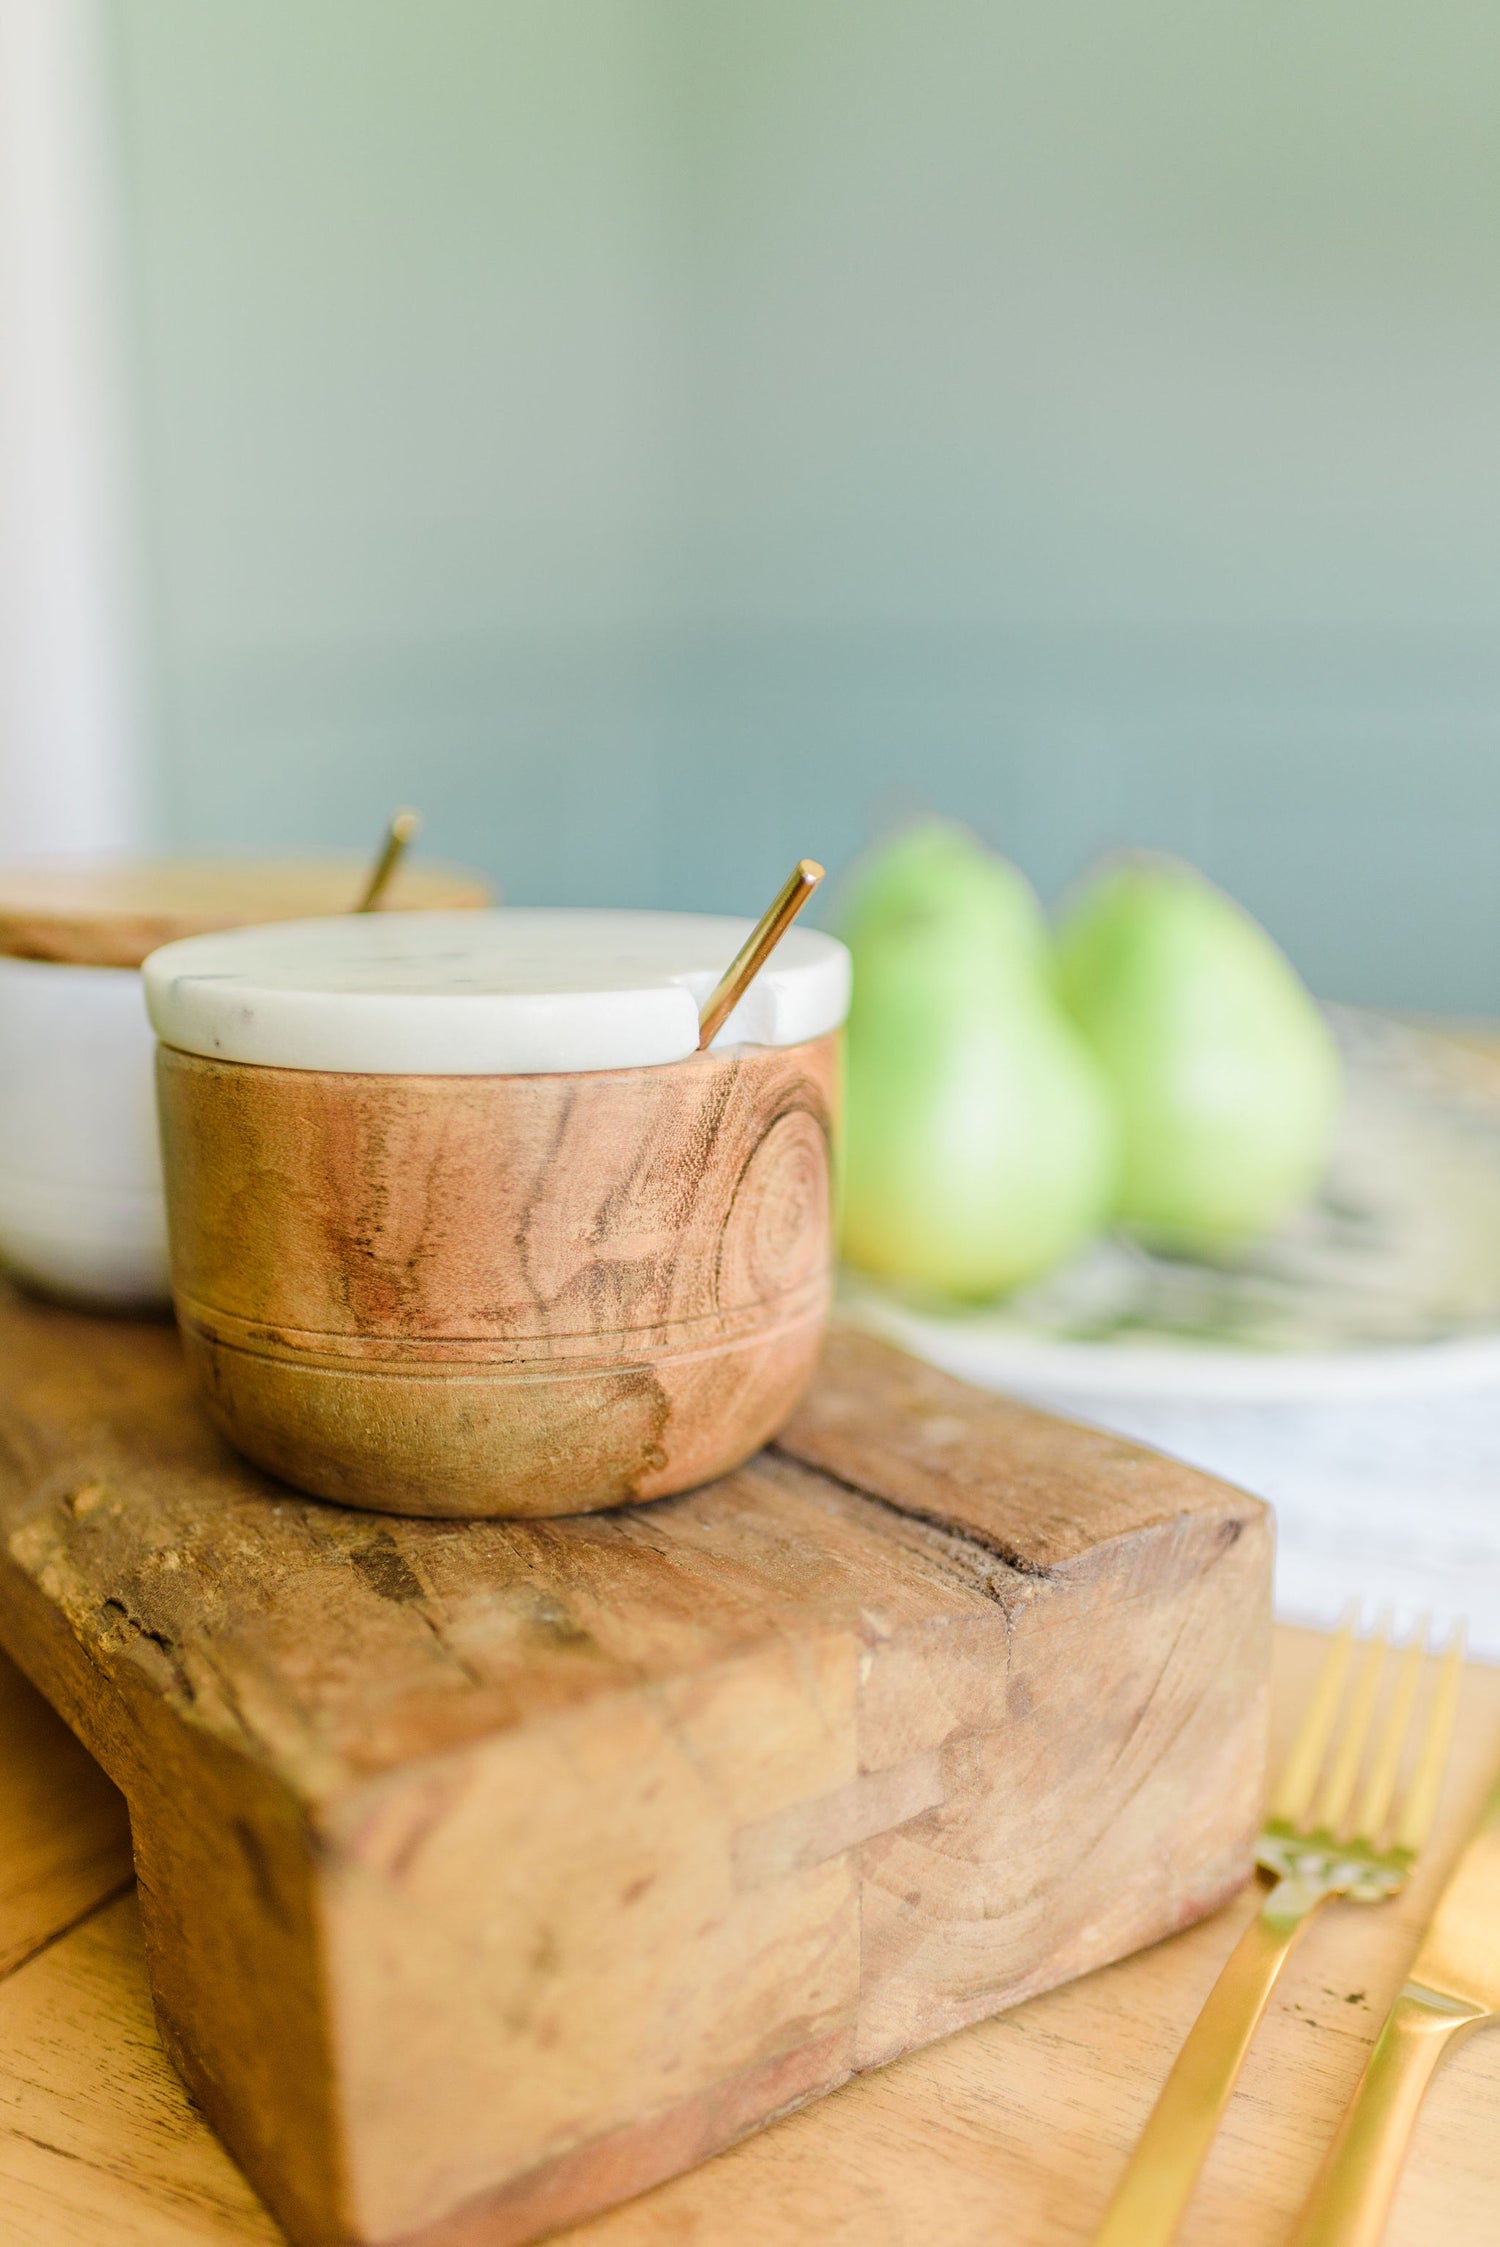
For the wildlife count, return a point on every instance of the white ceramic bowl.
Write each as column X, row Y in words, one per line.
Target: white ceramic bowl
column 81, row 1212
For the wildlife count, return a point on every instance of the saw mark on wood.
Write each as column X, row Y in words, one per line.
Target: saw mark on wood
column 810, row 1833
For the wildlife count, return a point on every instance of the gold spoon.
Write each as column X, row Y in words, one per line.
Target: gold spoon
column 757, row 949
column 404, row 828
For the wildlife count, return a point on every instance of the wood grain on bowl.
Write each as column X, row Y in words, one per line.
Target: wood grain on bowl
column 505, row 1294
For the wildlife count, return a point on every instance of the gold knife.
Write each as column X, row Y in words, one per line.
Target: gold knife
column 1453, row 1988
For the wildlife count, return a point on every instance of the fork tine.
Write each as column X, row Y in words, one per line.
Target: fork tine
column 1380, row 1786
column 1337, row 1790
column 1415, row 1820
column 1300, row 1771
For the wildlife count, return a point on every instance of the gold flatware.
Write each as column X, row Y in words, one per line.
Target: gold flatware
column 1453, row 1989
column 401, row 832
column 1334, row 1829
column 757, row 949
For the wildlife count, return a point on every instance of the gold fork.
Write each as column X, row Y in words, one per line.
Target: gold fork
column 1318, row 1842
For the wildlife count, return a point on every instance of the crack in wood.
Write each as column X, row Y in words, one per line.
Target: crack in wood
column 964, row 1539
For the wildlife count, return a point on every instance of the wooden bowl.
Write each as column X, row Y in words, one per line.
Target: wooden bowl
column 501, row 1295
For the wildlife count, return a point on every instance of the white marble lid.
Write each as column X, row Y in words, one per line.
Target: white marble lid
column 520, row 991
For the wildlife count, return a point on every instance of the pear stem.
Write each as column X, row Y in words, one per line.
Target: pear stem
column 404, row 827
column 757, row 949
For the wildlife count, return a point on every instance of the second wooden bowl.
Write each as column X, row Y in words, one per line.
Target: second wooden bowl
column 501, row 1295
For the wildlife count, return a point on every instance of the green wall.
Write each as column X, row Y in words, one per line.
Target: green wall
column 662, row 437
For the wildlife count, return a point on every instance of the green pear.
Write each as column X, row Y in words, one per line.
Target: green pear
column 1225, row 1075
column 979, row 1147
column 939, row 872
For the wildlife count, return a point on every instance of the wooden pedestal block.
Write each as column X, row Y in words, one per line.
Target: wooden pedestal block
column 493, row 1871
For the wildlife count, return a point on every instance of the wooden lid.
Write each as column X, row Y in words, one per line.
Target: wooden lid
column 516, row 993
column 110, row 912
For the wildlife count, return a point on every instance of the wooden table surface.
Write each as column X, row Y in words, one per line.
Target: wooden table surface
column 1010, row 2132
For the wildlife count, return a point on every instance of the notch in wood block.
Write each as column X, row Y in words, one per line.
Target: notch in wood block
column 493, row 1871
